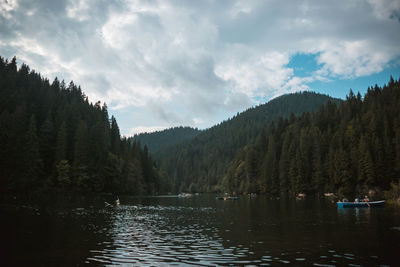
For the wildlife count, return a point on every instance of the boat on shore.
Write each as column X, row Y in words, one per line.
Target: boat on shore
column 341, row 204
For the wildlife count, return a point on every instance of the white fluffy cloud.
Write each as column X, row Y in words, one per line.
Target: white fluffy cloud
column 258, row 76
column 353, row 59
column 193, row 62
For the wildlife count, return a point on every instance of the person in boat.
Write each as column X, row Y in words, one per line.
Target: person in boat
column 356, row 200
column 366, row 199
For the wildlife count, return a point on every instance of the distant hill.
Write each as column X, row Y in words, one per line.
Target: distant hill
column 158, row 140
column 199, row 163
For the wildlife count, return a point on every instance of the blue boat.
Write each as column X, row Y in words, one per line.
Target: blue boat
column 227, row 198
column 360, row 204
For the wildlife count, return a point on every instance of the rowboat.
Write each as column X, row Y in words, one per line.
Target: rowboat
column 227, row 198
column 230, row 198
column 360, row 204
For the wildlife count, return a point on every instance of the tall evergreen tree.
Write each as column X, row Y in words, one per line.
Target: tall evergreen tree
column 347, row 149
column 33, row 161
column 61, row 144
column 52, row 138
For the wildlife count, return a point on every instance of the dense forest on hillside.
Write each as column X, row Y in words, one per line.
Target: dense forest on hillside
column 52, row 138
column 347, row 149
column 159, row 140
column 200, row 163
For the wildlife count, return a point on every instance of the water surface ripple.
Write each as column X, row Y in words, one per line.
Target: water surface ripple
column 197, row 231
column 234, row 234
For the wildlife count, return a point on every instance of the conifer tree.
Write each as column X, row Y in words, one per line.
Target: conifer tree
column 61, row 143
column 33, row 162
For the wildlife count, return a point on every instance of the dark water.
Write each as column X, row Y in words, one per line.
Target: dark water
column 203, row 231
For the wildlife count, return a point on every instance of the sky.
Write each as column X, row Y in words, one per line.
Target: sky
column 161, row 64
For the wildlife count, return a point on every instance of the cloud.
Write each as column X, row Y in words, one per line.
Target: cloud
column 7, row 7
column 257, row 75
column 352, row 59
column 385, row 9
column 192, row 62
column 79, row 10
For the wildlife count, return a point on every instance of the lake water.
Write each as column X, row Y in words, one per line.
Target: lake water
column 200, row 231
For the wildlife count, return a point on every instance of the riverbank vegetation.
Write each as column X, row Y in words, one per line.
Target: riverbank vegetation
column 393, row 194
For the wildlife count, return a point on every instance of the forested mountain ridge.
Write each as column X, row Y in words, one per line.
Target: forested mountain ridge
column 52, row 138
column 158, row 140
column 348, row 149
column 200, row 163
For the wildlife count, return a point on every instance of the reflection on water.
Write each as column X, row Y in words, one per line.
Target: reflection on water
column 358, row 215
column 156, row 234
column 200, row 231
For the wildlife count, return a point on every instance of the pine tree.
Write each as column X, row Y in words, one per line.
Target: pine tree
column 51, row 135
column 284, row 164
column 115, row 137
column 33, row 161
column 61, row 143
column 81, row 155
column 63, row 177
column 47, row 141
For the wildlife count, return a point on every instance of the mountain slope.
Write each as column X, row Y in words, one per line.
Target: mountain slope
column 201, row 162
column 52, row 138
column 351, row 150
column 158, row 140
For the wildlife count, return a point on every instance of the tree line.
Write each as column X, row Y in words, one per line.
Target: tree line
column 159, row 140
column 200, row 162
column 348, row 149
column 53, row 138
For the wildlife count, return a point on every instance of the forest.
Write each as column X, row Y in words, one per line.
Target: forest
column 199, row 163
column 53, row 139
column 159, row 140
column 347, row 149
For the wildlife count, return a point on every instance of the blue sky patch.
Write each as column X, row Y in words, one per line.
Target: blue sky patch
column 303, row 65
column 340, row 88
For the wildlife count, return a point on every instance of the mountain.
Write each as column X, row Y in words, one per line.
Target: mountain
column 158, row 140
column 352, row 149
column 200, row 163
column 52, row 138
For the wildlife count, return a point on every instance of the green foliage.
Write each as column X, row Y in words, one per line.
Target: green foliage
column 51, row 137
column 32, row 159
column 204, row 159
column 63, row 173
column 394, row 192
column 334, row 149
column 161, row 139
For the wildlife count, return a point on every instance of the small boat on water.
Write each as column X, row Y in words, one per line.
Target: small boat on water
column 185, row 195
column 227, row 198
column 341, row 204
